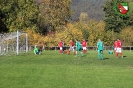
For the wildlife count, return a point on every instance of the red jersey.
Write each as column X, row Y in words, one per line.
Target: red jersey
column 60, row 44
column 119, row 44
column 71, row 43
column 84, row 44
column 115, row 44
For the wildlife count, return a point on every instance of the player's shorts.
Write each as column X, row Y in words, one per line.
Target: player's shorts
column 100, row 51
column 79, row 49
column 71, row 47
column 118, row 50
column 84, row 48
column 114, row 48
column 60, row 48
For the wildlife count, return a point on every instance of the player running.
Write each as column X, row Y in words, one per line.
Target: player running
column 61, row 46
column 71, row 45
column 84, row 45
column 78, row 47
column 119, row 48
column 100, row 47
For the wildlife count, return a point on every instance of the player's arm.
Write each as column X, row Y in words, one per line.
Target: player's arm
column 97, row 46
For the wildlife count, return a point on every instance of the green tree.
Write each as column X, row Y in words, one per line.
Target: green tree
column 20, row 14
column 3, row 27
column 114, row 21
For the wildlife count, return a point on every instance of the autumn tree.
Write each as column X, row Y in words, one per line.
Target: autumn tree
column 83, row 17
column 54, row 13
column 126, row 36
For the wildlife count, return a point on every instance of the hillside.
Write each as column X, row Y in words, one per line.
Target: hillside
column 92, row 7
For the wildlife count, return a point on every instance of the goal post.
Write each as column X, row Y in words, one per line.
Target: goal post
column 14, row 42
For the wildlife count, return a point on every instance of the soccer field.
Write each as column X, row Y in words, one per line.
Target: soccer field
column 54, row 70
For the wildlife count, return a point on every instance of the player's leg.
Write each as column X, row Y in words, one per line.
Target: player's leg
column 120, row 51
column 85, row 49
column 68, row 51
column 114, row 50
column 76, row 51
column 81, row 51
column 60, row 49
column 98, row 54
column 73, row 48
column 101, row 54
column 63, row 49
column 117, row 51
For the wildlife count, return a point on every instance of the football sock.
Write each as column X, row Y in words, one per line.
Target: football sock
column 116, row 54
column 121, row 54
column 98, row 55
column 83, row 51
column 76, row 53
column 82, row 54
column 60, row 51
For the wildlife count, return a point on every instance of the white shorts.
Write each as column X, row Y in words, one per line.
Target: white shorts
column 60, row 48
column 114, row 48
column 71, row 47
column 84, row 48
column 118, row 50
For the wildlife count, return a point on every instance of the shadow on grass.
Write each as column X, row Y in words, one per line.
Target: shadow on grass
column 124, row 56
column 106, row 58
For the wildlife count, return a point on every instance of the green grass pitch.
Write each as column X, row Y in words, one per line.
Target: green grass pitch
column 54, row 70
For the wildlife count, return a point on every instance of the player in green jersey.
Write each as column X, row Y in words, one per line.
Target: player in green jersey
column 36, row 50
column 78, row 47
column 100, row 47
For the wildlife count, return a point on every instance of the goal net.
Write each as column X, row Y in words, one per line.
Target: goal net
column 13, row 43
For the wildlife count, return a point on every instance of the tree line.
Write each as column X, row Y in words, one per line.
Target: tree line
column 41, row 16
column 49, row 20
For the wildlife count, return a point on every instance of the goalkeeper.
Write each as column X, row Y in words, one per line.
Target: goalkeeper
column 100, row 49
column 36, row 50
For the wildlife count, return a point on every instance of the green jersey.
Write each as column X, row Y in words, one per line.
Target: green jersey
column 35, row 50
column 100, row 45
column 78, row 45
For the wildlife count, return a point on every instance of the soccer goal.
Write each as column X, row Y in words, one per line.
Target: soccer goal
column 14, row 42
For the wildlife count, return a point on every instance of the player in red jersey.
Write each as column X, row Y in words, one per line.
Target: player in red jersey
column 61, row 46
column 119, row 48
column 71, row 46
column 84, row 45
column 115, row 46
